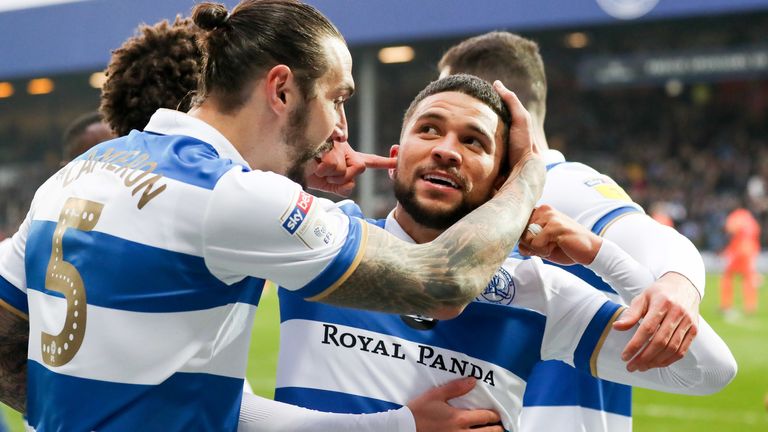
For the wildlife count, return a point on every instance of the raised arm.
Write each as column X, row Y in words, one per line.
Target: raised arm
column 669, row 305
column 672, row 299
column 439, row 278
column 706, row 367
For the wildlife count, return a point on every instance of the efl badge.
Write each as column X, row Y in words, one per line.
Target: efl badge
column 501, row 289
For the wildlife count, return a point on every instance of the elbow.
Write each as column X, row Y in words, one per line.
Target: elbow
column 450, row 299
column 717, row 377
column 447, row 312
column 724, row 374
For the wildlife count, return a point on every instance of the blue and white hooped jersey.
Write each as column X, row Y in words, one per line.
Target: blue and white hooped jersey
column 139, row 267
column 358, row 362
column 558, row 397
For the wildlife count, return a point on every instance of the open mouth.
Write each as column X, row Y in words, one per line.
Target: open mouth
column 441, row 180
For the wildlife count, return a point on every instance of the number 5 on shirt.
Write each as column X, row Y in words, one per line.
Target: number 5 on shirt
column 63, row 277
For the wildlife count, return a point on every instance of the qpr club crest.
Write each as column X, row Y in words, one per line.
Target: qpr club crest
column 501, row 289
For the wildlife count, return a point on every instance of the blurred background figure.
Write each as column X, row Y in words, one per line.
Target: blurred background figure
column 83, row 133
column 741, row 255
column 660, row 214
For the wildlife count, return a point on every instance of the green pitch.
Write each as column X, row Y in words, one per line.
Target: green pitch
column 739, row 408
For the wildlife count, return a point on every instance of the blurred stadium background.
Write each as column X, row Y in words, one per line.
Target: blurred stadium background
column 669, row 97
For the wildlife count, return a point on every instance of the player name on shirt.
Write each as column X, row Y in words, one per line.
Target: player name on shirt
column 424, row 355
column 130, row 166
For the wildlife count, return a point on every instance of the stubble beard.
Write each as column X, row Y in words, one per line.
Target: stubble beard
column 301, row 151
column 429, row 217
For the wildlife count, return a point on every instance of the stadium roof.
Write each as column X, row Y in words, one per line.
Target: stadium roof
column 55, row 36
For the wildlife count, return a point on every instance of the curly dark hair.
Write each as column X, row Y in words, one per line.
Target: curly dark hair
column 159, row 67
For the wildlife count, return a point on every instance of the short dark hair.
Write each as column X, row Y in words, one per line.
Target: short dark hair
column 512, row 59
column 468, row 85
column 159, row 67
column 471, row 86
column 257, row 35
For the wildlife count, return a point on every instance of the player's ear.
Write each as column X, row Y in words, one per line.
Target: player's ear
column 393, row 152
column 281, row 89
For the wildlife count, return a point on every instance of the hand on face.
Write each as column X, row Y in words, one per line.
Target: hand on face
column 560, row 239
column 522, row 145
column 338, row 168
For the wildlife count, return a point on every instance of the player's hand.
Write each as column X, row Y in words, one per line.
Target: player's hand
column 338, row 168
column 560, row 239
column 432, row 412
column 522, row 145
column 669, row 310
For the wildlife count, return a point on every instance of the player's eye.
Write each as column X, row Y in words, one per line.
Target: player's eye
column 428, row 129
column 471, row 141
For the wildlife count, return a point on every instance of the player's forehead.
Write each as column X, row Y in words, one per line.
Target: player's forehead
column 338, row 79
column 457, row 109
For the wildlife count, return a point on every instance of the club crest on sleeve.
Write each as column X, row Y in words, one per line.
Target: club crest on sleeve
column 501, row 289
column 293, row 219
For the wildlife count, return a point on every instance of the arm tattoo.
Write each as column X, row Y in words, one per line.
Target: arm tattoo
column 395, row 276
column 14, row 337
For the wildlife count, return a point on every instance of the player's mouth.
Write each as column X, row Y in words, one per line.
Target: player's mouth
column 323, row 149
column 442, row 180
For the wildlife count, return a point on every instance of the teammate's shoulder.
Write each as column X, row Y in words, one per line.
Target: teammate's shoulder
column 570, row 168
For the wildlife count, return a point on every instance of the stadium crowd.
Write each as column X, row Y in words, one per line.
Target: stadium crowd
column 693, row 158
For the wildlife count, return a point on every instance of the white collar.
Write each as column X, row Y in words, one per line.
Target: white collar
column 170, row 122
column 394, row 228
column 552, row 156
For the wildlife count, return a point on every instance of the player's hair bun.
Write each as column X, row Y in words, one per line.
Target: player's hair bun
column 210, row 16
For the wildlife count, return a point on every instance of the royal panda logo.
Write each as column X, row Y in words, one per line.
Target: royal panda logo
column 627, row 9
column 501, row 289
column 419, row 322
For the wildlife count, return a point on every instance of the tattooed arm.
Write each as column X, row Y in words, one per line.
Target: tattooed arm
column 14, row 334
column 439, row 278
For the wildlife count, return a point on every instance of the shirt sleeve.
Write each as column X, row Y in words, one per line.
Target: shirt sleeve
column 577, row 319
column 264, row 415
column 13, row 280
column 263, row 225
column 592, row 199
column 659, row 248
column 707, row 367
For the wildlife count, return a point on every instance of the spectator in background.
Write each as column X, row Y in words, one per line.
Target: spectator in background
column 83, row 133
column 741, row 253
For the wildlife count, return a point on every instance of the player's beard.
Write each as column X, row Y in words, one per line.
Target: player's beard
column 301, row 150
column 426, row 216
